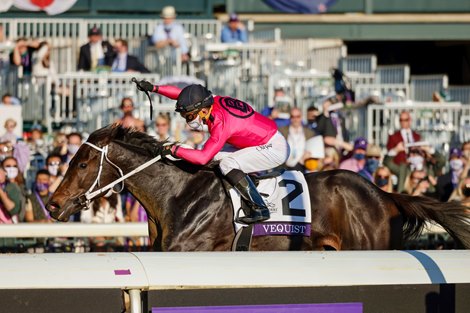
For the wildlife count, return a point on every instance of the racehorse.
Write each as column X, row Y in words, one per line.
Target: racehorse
column 189, row 209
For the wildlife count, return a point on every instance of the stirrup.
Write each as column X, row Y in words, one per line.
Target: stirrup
column 256, row 216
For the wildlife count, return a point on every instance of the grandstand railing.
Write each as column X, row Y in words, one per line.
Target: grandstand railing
column 383, row 92
column 240, row 70
column 361, row 63
column 67, row 35
column 327, row 57
column 393, row 74
column 91, row 100
column 438, row 123
column 459, row 94
column 423, row 86
column 305, row 88
column 265, row 35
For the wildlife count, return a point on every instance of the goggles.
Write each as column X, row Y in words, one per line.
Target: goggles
column 189, row 116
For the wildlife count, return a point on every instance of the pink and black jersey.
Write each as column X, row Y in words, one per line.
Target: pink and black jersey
column 231, row 121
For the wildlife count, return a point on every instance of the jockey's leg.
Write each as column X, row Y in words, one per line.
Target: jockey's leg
column 254, row 159
column 244, row 185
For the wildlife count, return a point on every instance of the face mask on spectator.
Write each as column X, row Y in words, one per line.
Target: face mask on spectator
column 72, row 149
column 53, row 169
column 371, row 165
column 381, row 181
column 12, row 172
column 40, row 187
column 359, row 156
column 456, row 165
column 416, row 162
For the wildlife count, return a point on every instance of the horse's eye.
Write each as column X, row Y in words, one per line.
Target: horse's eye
column 83, row 165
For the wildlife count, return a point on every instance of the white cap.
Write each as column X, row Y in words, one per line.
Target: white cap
column 168, row 12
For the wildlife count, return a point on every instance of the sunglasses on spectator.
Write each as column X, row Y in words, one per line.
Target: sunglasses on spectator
column 383, row 177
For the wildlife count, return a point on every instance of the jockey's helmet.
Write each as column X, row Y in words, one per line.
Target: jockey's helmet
column 193, row 98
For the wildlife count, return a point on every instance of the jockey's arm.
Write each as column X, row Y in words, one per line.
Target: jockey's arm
column 169, row 91
column 213, row 145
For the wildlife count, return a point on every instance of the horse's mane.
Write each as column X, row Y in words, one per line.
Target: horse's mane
column 141, row 143
column 129, row 138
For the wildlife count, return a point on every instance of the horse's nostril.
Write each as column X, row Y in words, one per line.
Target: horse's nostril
column 53, row 207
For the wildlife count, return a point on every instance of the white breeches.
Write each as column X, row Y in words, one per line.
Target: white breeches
column 258, row 158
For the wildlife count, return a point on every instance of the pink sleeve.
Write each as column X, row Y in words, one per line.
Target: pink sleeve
column 213, row 145
column 169, row 91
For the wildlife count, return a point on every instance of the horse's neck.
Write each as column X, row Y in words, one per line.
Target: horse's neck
column 184, row 205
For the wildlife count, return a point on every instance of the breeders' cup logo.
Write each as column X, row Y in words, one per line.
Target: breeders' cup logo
column 236, row 107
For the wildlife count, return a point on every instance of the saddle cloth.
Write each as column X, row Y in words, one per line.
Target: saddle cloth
column 288, row 200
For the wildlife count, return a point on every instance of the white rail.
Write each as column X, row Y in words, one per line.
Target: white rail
column 202, row 270
column 31, row 230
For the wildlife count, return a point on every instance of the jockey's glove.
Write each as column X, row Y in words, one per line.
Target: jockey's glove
column 169, row 149
column 144, row 85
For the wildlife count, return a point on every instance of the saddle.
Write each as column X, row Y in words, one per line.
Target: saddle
column 287, row 197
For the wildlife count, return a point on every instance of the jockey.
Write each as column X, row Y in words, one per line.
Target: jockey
column 261, row 146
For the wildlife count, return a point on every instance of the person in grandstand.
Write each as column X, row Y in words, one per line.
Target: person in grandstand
column 398, row 141
column 170, row 33
column 96, row 53
column 261, row 146
column 358, row 159
column 128, row 119
column 421, row 157
column 123, row 61
column 297, row 136
column 447, row 183
column 234, row 31
column 22, row 55
column 373, row 156
column 36, row 202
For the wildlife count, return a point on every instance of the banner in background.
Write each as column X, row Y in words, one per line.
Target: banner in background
column 51, row 7
column 300, row 6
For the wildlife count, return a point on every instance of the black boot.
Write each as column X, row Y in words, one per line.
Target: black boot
column 244, row 185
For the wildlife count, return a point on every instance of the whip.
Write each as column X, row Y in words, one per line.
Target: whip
column 134, row 80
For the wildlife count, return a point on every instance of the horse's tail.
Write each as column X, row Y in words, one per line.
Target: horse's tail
column 452, row 216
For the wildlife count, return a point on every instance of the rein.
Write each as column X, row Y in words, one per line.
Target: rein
column 85, row 199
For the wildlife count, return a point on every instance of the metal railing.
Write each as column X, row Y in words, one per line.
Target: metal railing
column 325, row 58
column 459, row 93
column 423, row 86
column 383, row 92
column 393, row 74
column 360, row 63
column 438, row 123
column 86, row 101
column 265, row 35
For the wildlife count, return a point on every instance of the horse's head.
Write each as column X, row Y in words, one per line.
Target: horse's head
column 89, row 170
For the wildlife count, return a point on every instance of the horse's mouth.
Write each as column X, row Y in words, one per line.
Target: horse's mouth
column 58, row 213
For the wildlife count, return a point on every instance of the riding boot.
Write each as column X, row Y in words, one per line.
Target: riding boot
column 244, row 185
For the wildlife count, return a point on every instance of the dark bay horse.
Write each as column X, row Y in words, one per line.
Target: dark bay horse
column 188, row 208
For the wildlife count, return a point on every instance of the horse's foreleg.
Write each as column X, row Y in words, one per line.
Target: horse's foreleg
column 153, row 234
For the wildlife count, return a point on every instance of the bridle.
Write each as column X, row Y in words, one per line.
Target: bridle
column 85, row 199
